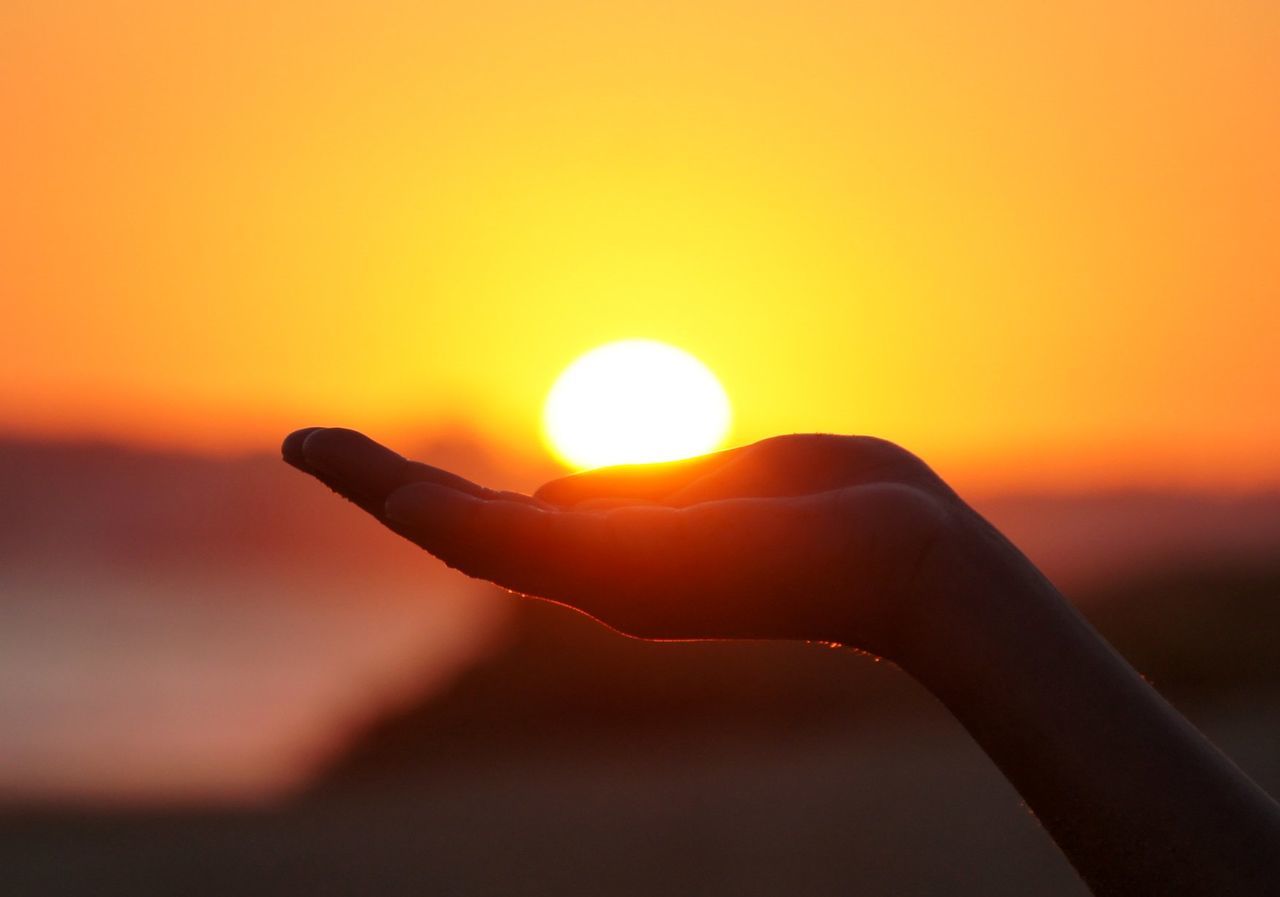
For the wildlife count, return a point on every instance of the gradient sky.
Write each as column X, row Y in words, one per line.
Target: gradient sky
column 1036, row 243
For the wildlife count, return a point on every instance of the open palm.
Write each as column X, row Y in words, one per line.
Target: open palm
column 854, row 541
column 827, row 538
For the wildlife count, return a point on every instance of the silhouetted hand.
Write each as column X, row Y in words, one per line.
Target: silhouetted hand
column 854, row 541
column 827, row 538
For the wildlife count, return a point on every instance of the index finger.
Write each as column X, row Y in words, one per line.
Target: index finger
column 366, row 472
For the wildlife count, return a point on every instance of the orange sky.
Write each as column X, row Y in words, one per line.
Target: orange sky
column 1037, row 243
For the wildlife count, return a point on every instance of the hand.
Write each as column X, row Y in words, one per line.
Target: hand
column 839, row 539
column 854, row 541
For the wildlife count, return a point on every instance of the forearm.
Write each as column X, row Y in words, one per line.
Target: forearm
column 1137, row 798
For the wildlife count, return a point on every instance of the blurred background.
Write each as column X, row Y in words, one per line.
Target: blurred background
column 1034, row 244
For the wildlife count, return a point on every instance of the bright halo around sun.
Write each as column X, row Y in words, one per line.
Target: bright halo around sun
column 635, row 402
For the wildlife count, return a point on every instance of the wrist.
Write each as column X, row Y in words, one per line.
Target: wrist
column 975, row 594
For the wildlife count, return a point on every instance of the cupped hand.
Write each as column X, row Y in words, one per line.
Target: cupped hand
column 842, row 539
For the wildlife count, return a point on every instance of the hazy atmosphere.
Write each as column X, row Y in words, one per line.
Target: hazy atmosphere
column 1036, row 246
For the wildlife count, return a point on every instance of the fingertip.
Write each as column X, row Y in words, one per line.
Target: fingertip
column 626, row 480
column 556, row 492
column 324, row 443
column 650, row 482
column 291, row 450
column 367, row 467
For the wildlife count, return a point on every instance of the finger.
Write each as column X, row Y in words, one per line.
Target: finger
column 609, row 504
column 291, row 448
column 292, row 452
column 723, row 569
column 800, row 464
column 366, row 472
column 753, row 474
column 647, row 482
column 518, row 545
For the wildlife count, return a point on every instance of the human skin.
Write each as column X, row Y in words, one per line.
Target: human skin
column 852, row 540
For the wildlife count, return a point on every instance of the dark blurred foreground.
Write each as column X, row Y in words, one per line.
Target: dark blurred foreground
column 576, row 761
column 581, row 762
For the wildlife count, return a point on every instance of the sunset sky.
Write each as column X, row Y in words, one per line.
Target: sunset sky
column 1039, row 244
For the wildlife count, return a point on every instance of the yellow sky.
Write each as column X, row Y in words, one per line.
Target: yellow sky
column 1038, row 243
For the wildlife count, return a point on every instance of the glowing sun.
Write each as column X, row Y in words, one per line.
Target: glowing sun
column 634, row 402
